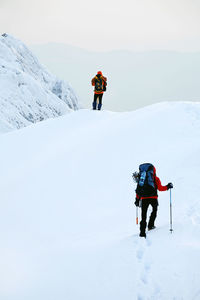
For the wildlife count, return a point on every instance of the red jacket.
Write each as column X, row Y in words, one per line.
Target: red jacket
column 159, row 186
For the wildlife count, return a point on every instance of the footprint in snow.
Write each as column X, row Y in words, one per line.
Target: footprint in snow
column 142, row 244
column 139, row 297
column 147, row 266
column 157, row 292
column 145, row 272
column 148, row 242
column 140, row 253
column 144, row 278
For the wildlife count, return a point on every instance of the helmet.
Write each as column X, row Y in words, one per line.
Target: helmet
column 99, row 73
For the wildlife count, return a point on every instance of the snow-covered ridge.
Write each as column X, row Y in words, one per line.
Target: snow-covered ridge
column 29, row 93
column 67, row 217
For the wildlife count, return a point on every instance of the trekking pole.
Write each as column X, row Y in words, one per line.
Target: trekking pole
column 171, row 212
column 137, row 215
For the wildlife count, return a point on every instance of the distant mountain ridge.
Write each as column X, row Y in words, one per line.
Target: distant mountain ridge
column 29, row 93
column 135, row 79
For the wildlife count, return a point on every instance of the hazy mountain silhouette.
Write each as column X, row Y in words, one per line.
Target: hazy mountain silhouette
column 135, row 79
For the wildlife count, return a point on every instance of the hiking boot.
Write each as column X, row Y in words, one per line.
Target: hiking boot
column 151, row 227
column 143, row 234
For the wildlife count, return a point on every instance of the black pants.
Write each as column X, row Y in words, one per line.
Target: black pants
column 97, row 96
column 144, row 207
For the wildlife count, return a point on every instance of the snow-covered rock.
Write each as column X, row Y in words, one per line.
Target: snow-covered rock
column 29, row 93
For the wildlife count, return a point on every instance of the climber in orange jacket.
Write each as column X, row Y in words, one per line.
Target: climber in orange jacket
column 99, row 82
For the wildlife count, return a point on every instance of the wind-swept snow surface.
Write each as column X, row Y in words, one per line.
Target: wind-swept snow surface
column 29, row 93
column 67, row 219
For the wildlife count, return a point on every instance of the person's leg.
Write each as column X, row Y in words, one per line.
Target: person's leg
column 154, row 204
column 94, row 104
column 100, row 101
column 143, row 223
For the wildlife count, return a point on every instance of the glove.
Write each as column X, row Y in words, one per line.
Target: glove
column 137, row 202
column 169, row 186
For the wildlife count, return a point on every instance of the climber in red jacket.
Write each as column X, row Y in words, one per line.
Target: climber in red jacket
column 148, row 185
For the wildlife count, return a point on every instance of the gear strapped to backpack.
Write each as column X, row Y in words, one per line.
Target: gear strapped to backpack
column 146, row 181
column 98, row 84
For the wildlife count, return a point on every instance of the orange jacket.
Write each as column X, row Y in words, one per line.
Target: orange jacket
column 104, row 80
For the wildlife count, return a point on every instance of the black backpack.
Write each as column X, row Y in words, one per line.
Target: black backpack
column 146, row 181
column 98, row 84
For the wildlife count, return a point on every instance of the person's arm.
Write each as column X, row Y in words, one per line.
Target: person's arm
column 137, row 200
column 137, row 197
column 159, row 185
column 105, row 79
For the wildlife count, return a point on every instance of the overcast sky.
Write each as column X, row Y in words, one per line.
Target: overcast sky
column 105, row 24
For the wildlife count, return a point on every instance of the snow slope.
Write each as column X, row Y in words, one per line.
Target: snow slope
column 67, row 219
column 29, row 93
